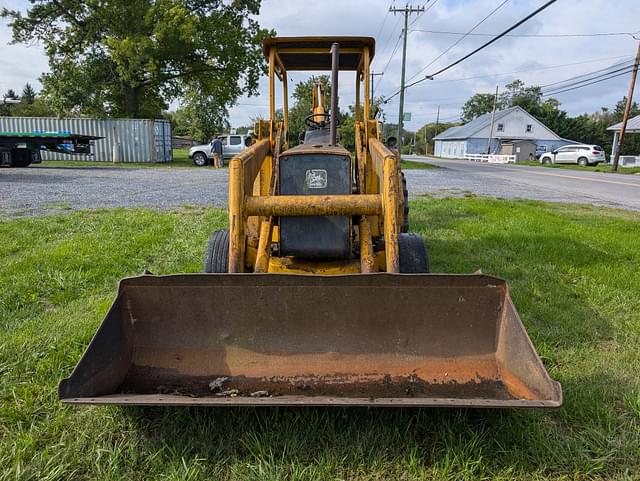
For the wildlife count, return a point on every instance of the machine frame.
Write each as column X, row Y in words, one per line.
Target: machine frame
column 377, row 204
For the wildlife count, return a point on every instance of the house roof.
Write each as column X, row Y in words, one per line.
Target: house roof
column 468, row 130
column 633, row 125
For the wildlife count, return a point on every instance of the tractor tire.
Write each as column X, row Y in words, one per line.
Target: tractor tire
column 200, row 159
column 405, row 195
column 413, row 254
column 216, row 258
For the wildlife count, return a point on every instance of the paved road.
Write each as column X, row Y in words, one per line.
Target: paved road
column 41, row 190
column 510, row 181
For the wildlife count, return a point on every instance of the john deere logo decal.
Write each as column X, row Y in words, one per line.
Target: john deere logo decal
column 316, row 179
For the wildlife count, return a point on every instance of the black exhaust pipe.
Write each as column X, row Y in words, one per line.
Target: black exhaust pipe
column 335, row 56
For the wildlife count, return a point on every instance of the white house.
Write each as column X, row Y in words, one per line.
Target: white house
column 510, row 126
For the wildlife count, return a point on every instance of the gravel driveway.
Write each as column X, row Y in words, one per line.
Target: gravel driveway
column 42, row 190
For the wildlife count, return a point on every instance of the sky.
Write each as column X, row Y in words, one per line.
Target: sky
column 536, row 59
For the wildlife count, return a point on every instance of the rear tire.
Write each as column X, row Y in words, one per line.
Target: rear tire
column 583, row 161
column 216, row 258
column 200, row 159
column 413, row 254
column 405, row 207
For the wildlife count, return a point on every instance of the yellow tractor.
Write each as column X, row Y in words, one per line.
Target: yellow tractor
column 314, row 295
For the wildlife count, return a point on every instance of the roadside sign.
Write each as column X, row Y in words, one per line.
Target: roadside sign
column 406, row 117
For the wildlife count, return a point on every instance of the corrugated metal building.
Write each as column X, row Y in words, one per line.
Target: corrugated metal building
column 510, row 125
column 134, row 140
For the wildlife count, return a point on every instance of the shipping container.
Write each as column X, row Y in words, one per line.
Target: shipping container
column 130, row 140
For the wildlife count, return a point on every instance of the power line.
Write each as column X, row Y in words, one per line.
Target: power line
column 395, row 49
column 382, row 26
column 459, row 40
column 532, row 35
column 550, row 67
column 605, row 71
column 389, row 37
column 556, row 92
column 485, row 45
column 425, row 10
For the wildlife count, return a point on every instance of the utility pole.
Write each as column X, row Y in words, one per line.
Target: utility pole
column 436, row 132
column 493, row 118
column 627, row 109
column 425, row 139
column 373, row 74
column 407, row 10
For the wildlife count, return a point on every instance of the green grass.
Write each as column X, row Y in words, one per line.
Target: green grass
column 592, row 168
column 574, row 275
column 415, row 165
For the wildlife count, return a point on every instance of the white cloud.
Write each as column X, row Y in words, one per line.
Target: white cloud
column 20, row 64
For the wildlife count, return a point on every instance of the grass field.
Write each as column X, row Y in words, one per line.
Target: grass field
column 414, row 165
column 574, row 276
column 592, row 168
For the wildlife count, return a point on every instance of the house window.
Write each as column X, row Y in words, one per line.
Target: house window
column 500, row 127
column 529, row 128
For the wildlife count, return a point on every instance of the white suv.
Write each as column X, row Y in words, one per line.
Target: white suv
column 581, row 154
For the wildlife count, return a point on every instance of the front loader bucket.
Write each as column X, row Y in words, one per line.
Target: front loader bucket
column 273, row 339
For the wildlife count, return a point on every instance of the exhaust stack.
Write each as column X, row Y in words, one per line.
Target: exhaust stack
column 335, row 62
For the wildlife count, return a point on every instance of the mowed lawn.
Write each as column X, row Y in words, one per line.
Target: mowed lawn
column 575, row 278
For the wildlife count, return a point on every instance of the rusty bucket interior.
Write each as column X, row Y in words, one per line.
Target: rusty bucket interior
column 274, row 339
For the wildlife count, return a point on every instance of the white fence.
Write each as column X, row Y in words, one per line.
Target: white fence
column 491, row 158
column 630, row 161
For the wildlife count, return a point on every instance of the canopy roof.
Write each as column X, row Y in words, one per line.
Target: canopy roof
column 314, row 53
column 633, row 125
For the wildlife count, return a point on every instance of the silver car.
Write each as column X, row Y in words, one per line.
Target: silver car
column 581, row 154
column 232, row 145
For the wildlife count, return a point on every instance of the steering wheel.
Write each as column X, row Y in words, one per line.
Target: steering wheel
column 314, row 124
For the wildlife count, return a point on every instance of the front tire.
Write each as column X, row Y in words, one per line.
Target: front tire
column 199, row 159
column 413, row 254
column 405, row 206
column 216, row 258
column 546, row 160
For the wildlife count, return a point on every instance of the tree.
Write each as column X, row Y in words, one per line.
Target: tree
column 347, row 126
column 10, row 94
column 479, row 104
column 618, row 110
column 200, row 117
column 129, row 58
column 28, row 94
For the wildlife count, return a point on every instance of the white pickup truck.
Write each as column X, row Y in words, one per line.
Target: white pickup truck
column 232, row 145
